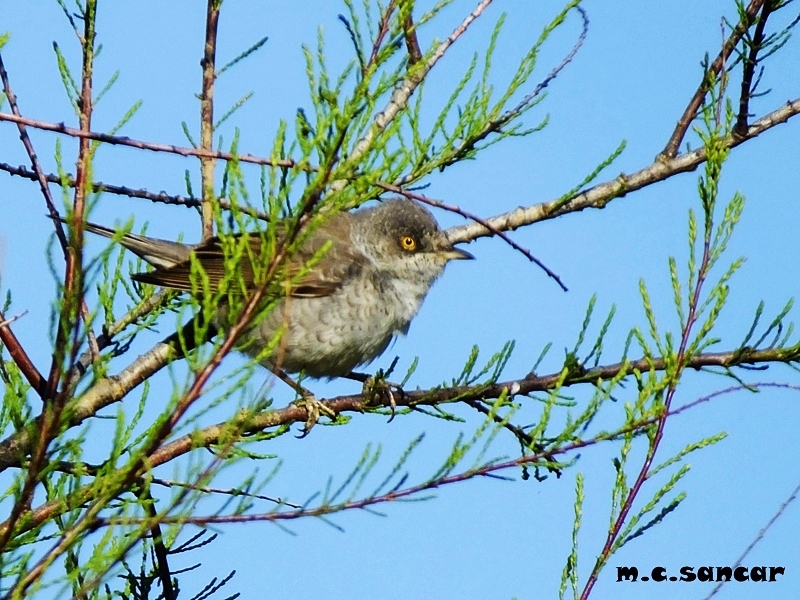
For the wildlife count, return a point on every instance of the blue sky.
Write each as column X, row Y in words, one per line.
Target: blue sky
column 480, row 539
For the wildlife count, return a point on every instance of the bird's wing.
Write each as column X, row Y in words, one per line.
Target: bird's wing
column 339, row 262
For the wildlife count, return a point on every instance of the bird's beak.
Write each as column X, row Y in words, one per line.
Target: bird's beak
column 456, row 254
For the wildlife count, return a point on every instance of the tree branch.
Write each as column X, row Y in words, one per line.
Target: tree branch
column 141, row 145
column 20, row 357
column 207, row 164
column 402, row 93
column 750, row 61
column 161, row 197
column 600, row 195
column 749, row 17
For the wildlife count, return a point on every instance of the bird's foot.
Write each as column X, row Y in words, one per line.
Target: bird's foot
column 377, row 390
column 315, row 409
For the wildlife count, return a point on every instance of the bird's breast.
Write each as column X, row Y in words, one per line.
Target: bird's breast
column 329, row 336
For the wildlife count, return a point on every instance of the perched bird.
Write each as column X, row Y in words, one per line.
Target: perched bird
column 345, row 310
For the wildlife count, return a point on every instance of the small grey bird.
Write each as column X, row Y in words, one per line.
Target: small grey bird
column 345, row 311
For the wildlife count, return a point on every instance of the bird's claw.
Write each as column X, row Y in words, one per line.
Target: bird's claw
column 314, row 409
column 378, row 390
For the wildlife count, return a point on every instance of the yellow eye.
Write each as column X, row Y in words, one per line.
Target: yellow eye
column 408, row 243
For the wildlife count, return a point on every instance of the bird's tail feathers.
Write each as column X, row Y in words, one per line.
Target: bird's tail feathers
column 159, row 253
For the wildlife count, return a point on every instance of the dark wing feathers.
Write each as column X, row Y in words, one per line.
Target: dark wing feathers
column 325, row 277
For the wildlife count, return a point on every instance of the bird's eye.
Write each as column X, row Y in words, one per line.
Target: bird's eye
column 408, row 243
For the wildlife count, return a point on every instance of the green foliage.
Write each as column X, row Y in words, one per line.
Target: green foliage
column 569, row 577
column 70, row 85
column 367, row 127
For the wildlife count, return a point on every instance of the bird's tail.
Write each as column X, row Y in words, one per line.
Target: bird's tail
column 159, row 253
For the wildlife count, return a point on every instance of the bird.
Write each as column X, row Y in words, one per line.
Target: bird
column 376, row 267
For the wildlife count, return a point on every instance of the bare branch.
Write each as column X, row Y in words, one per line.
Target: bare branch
column 161, row 197
column 402, row 93
column 460, row 211
column 600, row 195
column 207, row 164
column 750, row 61
column 20, row 357
column 153, row 147
column 675, row 140
column 256, row 423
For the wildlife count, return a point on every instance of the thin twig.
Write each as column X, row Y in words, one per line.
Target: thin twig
column 160, row 550
column 161, row 197
column 495, row 125
column 403, row 91
column 760, row 536
column 460, row 211
column 224, row 491
column 750, row 61
column 118, row 140
column 716, row 67
column 383, row 29
column 10, row 320
column 412, row 43
column 20, row 357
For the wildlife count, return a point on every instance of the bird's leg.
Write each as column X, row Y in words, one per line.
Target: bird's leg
column 376, row 388
column 307, row 400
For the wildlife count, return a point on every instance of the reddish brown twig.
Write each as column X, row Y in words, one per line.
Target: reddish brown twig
column 460, row 211
column 383, row 29
column 749, row 68
column 716, row 67
column 412, row 43
column 68, row 326
column 170, row 148
column 681, row 362
column 40, row 177
column 20, row 357
column 120, row 190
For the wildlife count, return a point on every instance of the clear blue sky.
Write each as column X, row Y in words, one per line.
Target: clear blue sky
column 480, row 539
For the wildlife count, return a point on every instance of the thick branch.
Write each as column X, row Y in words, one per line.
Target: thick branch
column 52, row 508
column 251, row 424
column 207, row 164
column 600, row 195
